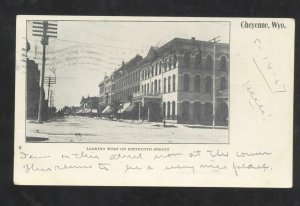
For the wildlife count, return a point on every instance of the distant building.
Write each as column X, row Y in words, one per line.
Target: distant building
column 175, row 82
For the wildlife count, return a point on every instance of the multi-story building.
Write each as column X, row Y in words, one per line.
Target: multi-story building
column 185, row 81
column 105, row 89
column 126, row 81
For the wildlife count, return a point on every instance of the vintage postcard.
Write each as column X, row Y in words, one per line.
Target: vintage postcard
column 154, row 101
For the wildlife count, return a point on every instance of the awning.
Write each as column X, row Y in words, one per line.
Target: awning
column 129, row 108
column 107, row 109
column 79, row 111
column 94, row 111
column 125, row 106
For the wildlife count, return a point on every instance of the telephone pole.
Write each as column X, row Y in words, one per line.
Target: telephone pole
column 50, row 81
column 214, row 41
column 43, row 29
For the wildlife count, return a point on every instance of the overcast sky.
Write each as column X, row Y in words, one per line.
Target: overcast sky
column 85, row 50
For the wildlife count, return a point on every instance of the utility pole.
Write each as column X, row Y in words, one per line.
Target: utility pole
column 49, row 81
column 214, row 41
column 45, row 30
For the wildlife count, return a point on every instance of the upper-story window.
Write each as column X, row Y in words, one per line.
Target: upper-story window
column 186, row 82
column 175, row 61
column 198, row 60
column 169, row 84
column 187, row 59
column 156, row 65
column 174, row 82
column 165, row 65
column 209, row 62
column 165, row 82
column 223, row 83
column 170, row 63
column 152, row 71
column 159, row 67
column 208, row 84
column 197, row 83
column 223, row 63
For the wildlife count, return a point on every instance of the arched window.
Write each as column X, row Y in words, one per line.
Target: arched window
column 174, row 83
column 170, row 63
column 208, row 84
column 208, row 112
column 165, row 65
column 155, row 85
column 197, row 83
column 223, row 114
column 164, row 110
column 159, row 67
column 159, row 86
column 197, row 112
column 174, row 61
column 223, row 83
column 173, row 110
column 223, row 63
column 198, row 61
column 209, row 62
column 152, row 71
column 168, row 110
column 185, row 111
column 169, row 84
column 186, row 82
column 165, row 84
column 186, row 60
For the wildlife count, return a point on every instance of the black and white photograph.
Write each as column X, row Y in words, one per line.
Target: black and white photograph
column 127, row 81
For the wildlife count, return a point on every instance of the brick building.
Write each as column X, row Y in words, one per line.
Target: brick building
column 175, row 82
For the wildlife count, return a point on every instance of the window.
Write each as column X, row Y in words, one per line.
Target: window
column 223, row 63
column 152, row 71
column 168, row 110
column 151, row 86
column 175, row 61
column 186, row 60
column 170, row 63
column 165, row 81
column 209, row 62
column 147, row 87
column 164, row 110
column 165, row 65
column 223, row 83
column 155, row 85
column 174, row 83
column 186, row 82
column 208, row 111
column 197, row 83
column 208, row 84
column 155, row 69
column 198, row 61
column 159, row 85
column 160, row 67
column 169, row 84
column 173, row 110
column 186, row 111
